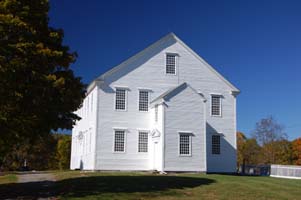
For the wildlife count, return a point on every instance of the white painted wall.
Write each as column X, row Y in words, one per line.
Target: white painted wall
column 156, row 139
column 83, row 150
column 147, row 71
column 134, row 78
column 192, row 71
column 185, row 112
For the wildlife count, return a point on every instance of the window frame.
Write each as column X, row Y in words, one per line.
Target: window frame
column 124, row 142
column 176, row 63
column 147, row 132
column 189, row 134
column 148, row 100
column 219, row 144
column 220, row 105
column 125, row 100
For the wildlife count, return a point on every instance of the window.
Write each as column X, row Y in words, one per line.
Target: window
column 119, row 141
column 184, row 144
column 170, row 64
column 143, row 142
column 216, row 144
column 143, row 100
column 156, row 113
column 216, row 105
column 120, row 99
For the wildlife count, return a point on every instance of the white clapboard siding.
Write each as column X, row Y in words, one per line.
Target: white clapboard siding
column 146, row 70
column 185, row 113
column 83, row 150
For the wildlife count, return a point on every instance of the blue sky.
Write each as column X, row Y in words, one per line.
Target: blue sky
column 256, row 45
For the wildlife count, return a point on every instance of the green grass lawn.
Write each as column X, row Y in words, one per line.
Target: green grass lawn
column 76, row 185
column 121, row 185
column 8, row 178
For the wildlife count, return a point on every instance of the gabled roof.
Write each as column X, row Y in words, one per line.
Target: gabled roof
column 166, row 95
column 141, row 53
column 234, row 89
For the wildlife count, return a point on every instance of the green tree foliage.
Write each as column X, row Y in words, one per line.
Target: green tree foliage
column 251, row 151
column 248, row 150
column 39, row 91
column 281, row 151
column 241, row 139
column 44, row 153
column 64, row 152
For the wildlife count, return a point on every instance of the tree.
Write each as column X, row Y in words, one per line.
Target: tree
column 241, row 140
column 296, row 151
column 283, row 152
column 251, row 151
column 247, row 150
column 39, row 91
column 64, row 152
column 267, row 132
column 42, row 153
column 38, row 155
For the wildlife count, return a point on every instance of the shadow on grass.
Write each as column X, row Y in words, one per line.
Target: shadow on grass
column 99, row 185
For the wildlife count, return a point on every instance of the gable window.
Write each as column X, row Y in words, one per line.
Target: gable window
column 143, row 142
column 120, row 99
column 216, row 144
column 143, row 100
column 216, row 105
column 119, row 141
column 184, row 144
column 170, row 64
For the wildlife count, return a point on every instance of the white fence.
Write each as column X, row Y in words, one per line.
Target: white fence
column 286, row 171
